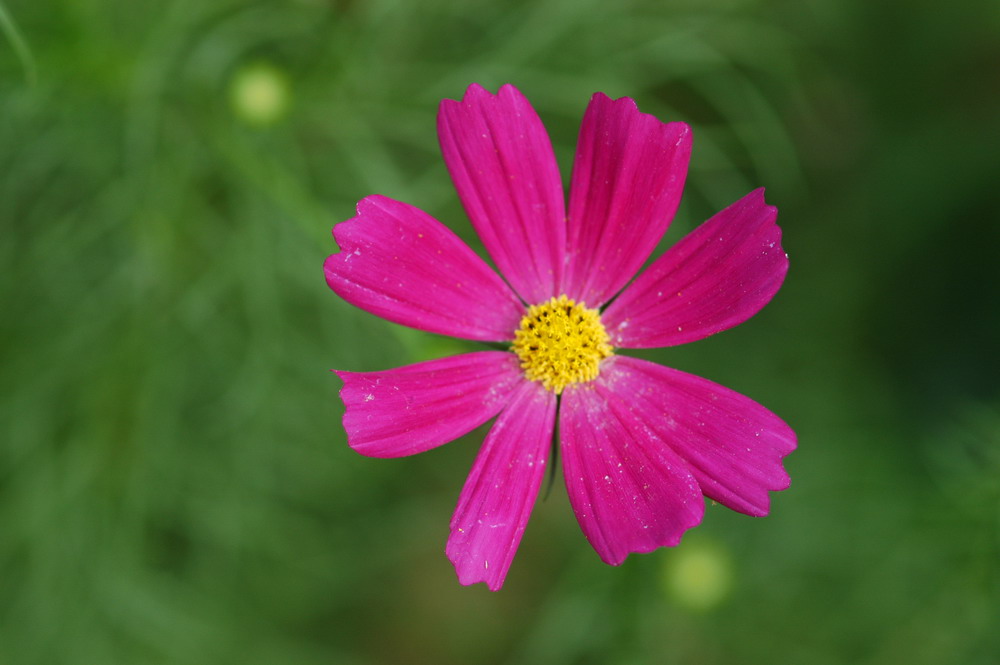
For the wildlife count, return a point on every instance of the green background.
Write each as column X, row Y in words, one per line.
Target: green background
column 175, row 486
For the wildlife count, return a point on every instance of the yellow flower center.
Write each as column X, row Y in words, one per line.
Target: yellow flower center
column 560, row 342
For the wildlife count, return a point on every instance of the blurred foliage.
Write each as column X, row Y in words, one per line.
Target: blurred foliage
column 174, row 482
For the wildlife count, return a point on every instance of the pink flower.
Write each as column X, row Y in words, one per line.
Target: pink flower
column 640, row 443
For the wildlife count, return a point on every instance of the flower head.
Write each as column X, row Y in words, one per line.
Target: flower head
column 640, row 443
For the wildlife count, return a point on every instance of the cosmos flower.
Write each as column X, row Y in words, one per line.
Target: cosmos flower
column 640, row 443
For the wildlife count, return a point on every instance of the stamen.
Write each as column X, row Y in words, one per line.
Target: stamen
column 560, row 343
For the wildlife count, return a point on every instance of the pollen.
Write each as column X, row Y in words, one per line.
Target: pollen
column 561, row 342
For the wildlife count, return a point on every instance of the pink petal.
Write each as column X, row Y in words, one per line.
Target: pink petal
column 733, row 445
column 716, row 277
column 627, row 181
column 500, row 492
column 411, row 409
column 629, row 490
column 502, row 163
column 398, row 262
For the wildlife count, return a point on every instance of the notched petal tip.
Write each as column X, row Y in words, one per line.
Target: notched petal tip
column 768, row 212
column 630, row 106
column 628, row 176
column 733, row 445
column 504, row 170
column 398, row 262
column 673, row 540
column 477, row 91
column 629, row 490
column 466, row 578
column 362, row 208
column 623, row 102
column 408, row 410
column 498, row 496
column 716, row 277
